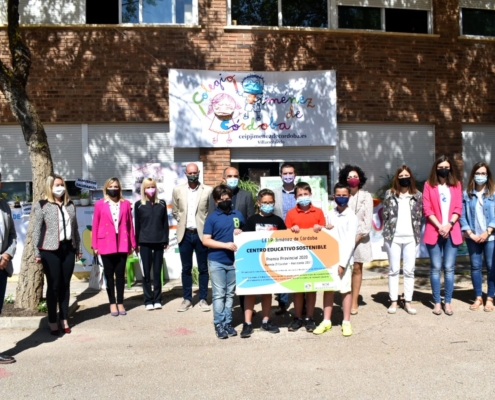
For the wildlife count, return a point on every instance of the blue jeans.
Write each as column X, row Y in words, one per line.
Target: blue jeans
column 283, row 300
column 223, row 290
column 449, row 250
column 476, row 252
column 189, row 244
column 3, row 287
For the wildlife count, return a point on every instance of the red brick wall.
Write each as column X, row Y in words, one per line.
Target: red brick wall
column 120, row 74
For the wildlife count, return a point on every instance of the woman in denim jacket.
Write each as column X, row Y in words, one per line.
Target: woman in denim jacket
column 402, row 216
column 478, row 225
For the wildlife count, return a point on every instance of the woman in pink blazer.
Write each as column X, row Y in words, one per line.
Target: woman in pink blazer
column 113, row 239
column 442, row 208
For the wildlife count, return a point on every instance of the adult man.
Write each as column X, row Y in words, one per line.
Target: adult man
column 285, row 201
column 8, row 243
column 189, row 208
column 242, row 200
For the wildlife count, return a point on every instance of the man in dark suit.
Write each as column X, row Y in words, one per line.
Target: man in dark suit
column 242, row 201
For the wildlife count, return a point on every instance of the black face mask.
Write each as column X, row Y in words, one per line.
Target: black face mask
column 113, row 192
column 405, row 182
column 443, row 172
column 225, row 205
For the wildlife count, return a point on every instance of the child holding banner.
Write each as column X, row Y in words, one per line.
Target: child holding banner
column 304, row 216
column 266, row 220
column 218, row 235
column 345, row 224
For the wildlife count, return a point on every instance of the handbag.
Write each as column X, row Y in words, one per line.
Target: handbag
column 96, row 277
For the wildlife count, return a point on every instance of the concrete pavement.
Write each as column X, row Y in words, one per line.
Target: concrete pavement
column 166, row 354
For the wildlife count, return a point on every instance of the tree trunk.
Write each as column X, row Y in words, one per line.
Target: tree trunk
column 13, row 85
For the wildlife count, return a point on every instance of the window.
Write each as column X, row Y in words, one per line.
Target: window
column 387, row 19
column 310, row 13
column 141, row 11
column 360, row 18
column 407, row 16
column 157, row 11
column 477, row 22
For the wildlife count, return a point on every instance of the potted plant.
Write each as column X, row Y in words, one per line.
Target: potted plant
column 84, row 198
column 17, row 200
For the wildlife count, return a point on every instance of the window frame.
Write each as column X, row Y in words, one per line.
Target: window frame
column 461, row 16
column 333, row 18
column 174, row 17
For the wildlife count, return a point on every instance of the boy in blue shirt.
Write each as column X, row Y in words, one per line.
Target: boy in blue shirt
column 218, row 235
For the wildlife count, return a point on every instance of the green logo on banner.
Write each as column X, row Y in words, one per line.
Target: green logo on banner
column 237, row 223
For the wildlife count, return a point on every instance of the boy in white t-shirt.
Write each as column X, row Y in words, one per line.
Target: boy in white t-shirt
column 345, row 223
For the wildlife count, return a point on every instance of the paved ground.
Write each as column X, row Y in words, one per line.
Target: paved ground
column 165, row 354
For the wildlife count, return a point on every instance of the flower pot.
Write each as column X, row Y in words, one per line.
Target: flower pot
column 84, row 202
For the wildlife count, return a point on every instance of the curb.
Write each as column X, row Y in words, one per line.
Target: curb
column 32, row 322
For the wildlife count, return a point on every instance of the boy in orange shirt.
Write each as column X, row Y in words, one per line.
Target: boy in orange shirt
column 304, row 216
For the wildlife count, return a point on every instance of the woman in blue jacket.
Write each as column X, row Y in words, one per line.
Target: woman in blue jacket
column 478, row 225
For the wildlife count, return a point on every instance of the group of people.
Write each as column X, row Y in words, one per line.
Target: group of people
column 208, row 218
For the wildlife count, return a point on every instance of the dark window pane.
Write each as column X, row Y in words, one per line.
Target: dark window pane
column 255, row 12
column 407, row 21
column 98, row 12
column 311, row 13
column 130, row 11
column 478, row 22
column 183, row 11
column 359, row 18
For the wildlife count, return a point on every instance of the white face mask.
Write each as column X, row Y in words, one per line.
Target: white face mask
column 58, row 191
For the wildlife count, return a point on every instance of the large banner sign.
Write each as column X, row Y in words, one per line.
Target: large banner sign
column 252, row 109
column 286, row 262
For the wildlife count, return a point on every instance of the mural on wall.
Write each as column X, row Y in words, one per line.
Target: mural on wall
column 251, row 109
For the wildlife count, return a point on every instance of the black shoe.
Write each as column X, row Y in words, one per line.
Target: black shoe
column 310, row 324
column 269, row 327
column 221, row 333
column 5, row 359
column 295, row 325
column 247, row 330
column 230, row 330
column 281, row 310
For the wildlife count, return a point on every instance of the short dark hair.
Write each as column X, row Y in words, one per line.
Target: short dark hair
column 266, row 192
column 348, row 168
column 287, row 165
column 220, row 190
column 339, row 185
column 302, row 186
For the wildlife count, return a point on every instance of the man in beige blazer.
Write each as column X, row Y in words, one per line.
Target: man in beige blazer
column 190, row 207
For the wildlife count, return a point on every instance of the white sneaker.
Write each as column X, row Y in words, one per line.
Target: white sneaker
column 158, row 306
column 149, row 307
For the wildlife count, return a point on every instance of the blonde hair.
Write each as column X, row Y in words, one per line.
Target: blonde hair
column 107, row 184
column 49, row 187
column 148, row 181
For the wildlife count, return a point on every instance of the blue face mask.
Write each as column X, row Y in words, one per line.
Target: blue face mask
column 232, row 182
column 341, row 201
column 267, row 208
column 304, row 200
column 480, row 179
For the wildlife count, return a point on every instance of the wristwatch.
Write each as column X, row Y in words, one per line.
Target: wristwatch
column 452, row 223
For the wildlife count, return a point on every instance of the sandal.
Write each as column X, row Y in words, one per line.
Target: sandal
column 478, row 303
column 489, row 305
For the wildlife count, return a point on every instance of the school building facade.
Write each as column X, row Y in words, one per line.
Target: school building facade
column 414, row 78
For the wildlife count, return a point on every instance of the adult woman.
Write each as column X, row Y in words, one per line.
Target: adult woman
column 478, row 225
column 113, row 238
column 56, row 241
column 442, row 208
column 361, row 203
column 402, row 214
column 151, row 219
